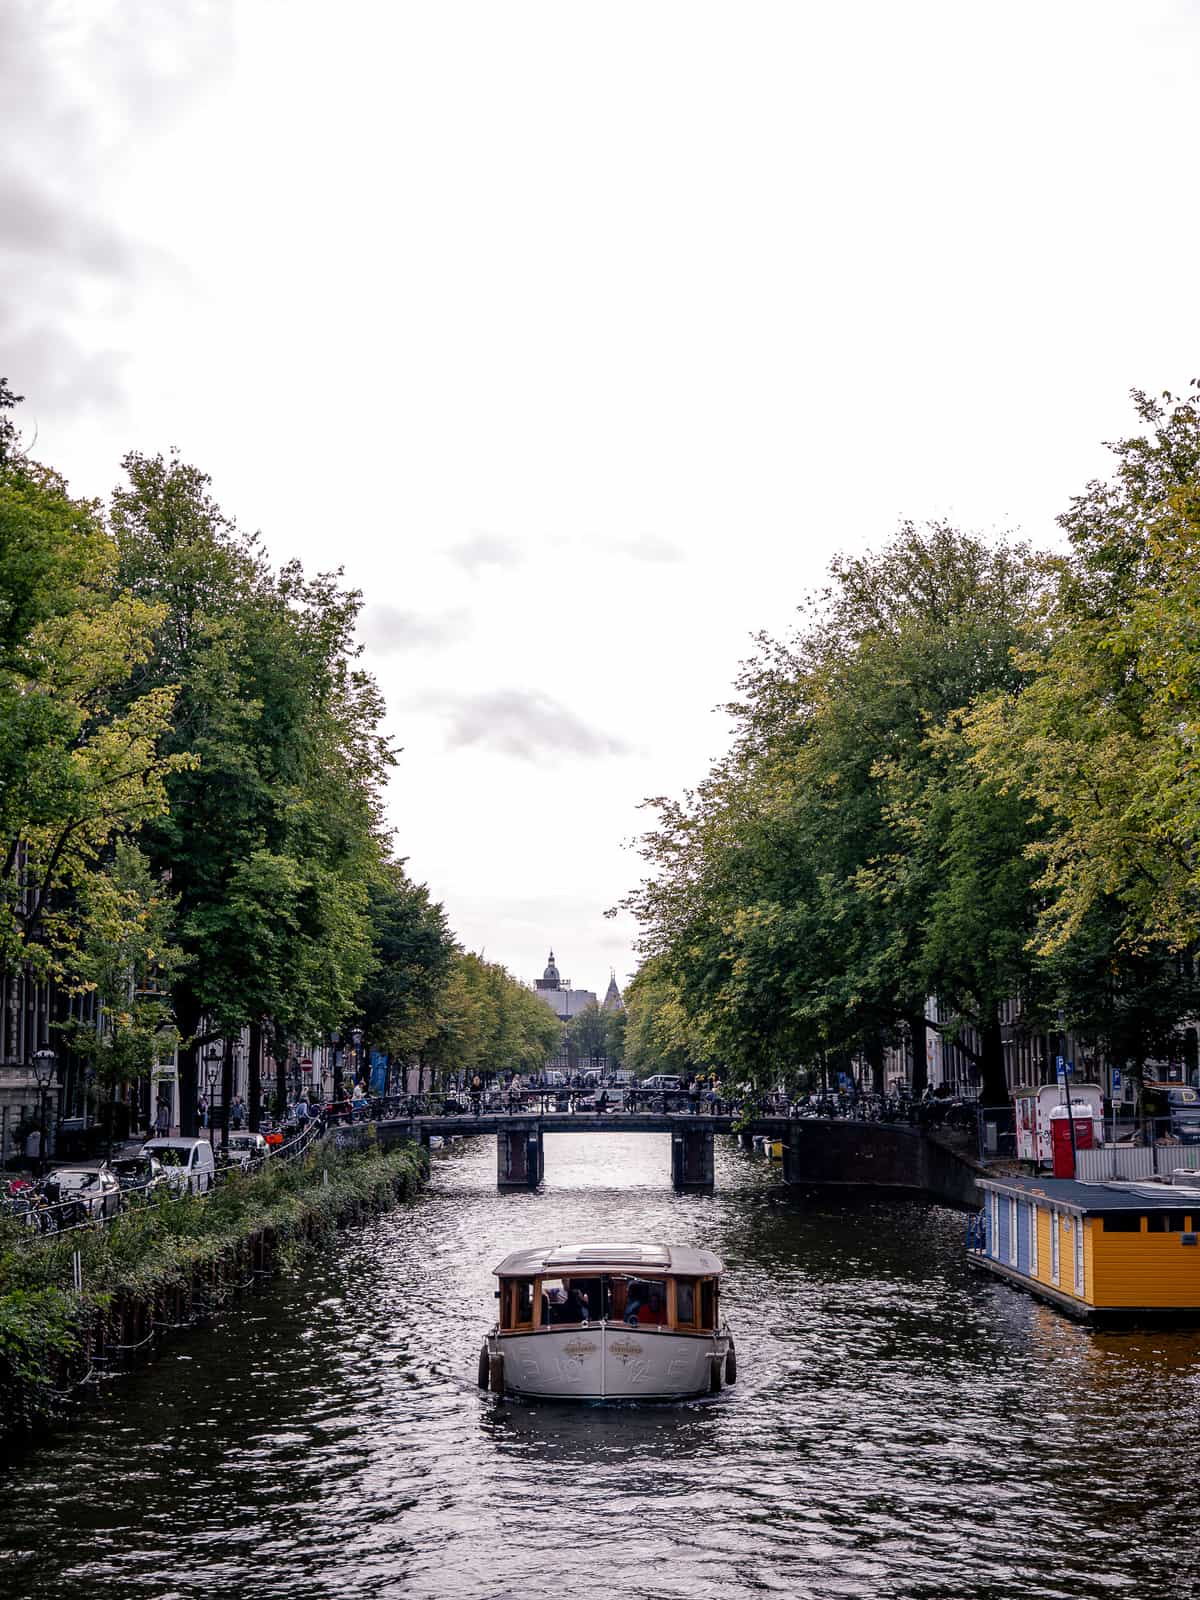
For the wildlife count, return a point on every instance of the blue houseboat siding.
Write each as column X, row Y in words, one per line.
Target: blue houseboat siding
column 1003, row 1233
column 1023, row 1213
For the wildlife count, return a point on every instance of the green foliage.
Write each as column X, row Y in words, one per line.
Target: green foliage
column 81, row 763
column 487, row 1021
column 971, row 773
column 412, row 952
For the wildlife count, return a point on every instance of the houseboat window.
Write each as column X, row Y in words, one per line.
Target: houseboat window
column 685, row 1302
column 1123, row 1222
column 708, row 1303
column 1079, row 1256
column 1167, row 1222
column 1054, row 1247
column 523, row 1302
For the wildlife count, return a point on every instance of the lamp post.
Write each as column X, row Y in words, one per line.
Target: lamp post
column 356, row 1036
column 212, row 1066
column 43, row 1073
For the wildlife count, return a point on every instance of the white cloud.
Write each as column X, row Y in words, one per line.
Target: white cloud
column 527, row 724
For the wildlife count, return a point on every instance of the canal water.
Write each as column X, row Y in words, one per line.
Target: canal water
column 901, row 1427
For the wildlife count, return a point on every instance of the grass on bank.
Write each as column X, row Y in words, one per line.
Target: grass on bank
column 160, row 1246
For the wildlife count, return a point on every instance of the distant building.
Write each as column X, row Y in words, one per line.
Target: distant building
column 558, row 994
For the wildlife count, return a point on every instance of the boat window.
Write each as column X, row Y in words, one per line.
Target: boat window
column 1123, row 1222
column 523, row 1302
column 588, row 1296
column 566, row 1300
column 646, row 1301
column 1167, row 1222
column 685, row 1302
column 708, row 1303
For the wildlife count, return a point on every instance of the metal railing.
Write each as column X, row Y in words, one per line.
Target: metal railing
column 47, row 1218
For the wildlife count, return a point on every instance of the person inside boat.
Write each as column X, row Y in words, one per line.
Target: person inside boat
column 647, row 1303
column 578, row 1309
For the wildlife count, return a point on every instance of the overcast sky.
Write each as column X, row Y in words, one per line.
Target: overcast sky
column 583, row 335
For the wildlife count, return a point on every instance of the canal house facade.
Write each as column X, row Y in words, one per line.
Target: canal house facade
column 1097, row 1250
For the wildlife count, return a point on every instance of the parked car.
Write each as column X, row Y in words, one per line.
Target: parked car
column 188, row 1163
column 1183, row 1107
column 660, row 1080
column 247, row 1149
column 139, row 1174
column 94, row 1189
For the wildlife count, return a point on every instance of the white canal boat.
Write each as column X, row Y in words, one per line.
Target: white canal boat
column 600, row 1321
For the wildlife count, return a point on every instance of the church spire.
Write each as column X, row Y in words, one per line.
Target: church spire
column 612, row 1000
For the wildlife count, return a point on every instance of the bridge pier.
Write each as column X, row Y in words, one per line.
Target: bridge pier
column 692, row 1159
column 520, row 1157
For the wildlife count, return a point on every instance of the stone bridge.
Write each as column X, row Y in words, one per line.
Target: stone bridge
column 818, row 1152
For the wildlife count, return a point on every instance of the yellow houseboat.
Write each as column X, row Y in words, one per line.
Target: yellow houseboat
column 1101, row 1251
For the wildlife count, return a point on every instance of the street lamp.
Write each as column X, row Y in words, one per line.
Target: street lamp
column 212, row 1067
column 44, row 1062
column 356, row 1036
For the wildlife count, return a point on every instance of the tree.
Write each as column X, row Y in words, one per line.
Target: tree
column 587, row 1034
column 126, row 956
column 801, row 894
column 1102, row 738
column 80, row 734
column 273, row 843
column 412, row 951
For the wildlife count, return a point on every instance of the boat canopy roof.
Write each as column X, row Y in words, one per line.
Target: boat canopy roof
column 592, row 1256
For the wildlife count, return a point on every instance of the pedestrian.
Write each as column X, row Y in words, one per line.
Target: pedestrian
column 237, row 1111
column 162, row 1120
column 202, row 1112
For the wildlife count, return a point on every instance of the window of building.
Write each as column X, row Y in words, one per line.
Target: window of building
column 1123, row 1222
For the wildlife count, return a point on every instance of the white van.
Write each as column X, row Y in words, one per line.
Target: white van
column 188, row 1163
column 661, row 1080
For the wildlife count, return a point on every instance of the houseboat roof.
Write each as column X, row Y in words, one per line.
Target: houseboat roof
column 1096, row 1198
column 610, row 1256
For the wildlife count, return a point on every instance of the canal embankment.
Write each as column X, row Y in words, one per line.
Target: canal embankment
column 80, row 1307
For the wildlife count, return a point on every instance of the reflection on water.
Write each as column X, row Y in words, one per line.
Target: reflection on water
column 901, row 1427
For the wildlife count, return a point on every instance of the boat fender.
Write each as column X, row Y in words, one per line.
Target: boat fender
column 731, row 1365
column 484, row 1360
column 496, row 1374
column 714, row 1377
